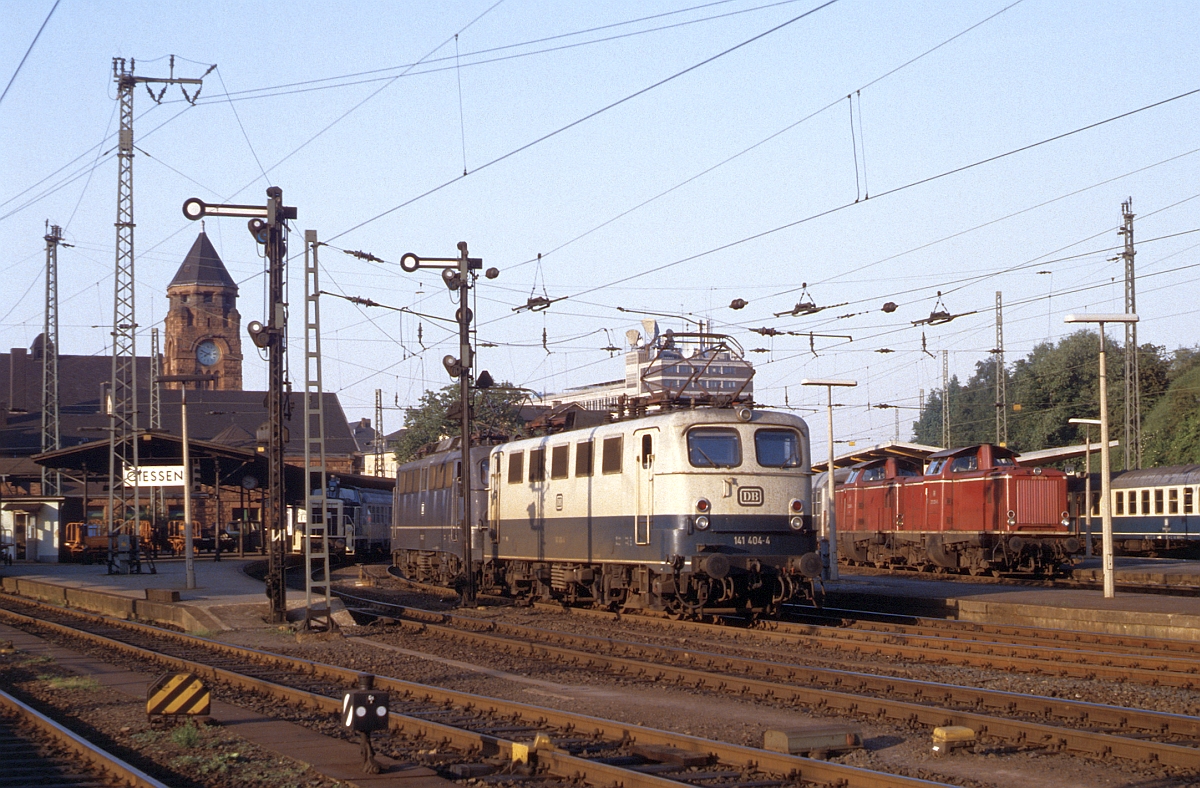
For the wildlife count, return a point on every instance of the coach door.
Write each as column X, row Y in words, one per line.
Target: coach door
column 643, row 441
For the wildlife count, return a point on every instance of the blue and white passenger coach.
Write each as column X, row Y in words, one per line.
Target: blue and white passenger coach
column 693, row 511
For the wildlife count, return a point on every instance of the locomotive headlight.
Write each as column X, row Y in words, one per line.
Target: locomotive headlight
column 796, row 523
column 703, row 506
column 702, row 522
column 797, row 507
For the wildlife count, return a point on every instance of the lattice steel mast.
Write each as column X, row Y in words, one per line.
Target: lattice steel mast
column 317, row 608
column 1133, row 377
column 945, row 399
column 51, row 480
column 123, row 406
column 379, row 433
column 1001, row 392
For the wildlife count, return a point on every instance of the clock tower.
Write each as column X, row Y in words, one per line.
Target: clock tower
column 203, row 326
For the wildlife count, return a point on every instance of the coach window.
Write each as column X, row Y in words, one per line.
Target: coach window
column 610, row 462
column 1158, row 501
column 537, row 465
column 1120, row 507
column 560, row 462
column 1145, row 502
column 1173, row 501
column 583, row 458
column 714, row 447
column 777, row 448
column 516, row 467
column 1187, row 500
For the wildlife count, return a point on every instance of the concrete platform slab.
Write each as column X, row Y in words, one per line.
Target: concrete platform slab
column 1146, row 615
column 224, row 598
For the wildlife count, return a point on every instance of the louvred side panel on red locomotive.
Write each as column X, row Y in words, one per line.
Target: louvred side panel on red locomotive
column 972, row 509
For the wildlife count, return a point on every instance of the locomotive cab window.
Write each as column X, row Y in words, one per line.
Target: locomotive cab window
column 777, row 448
column 647, row 450
column 610, row 462
column 935, row 467
column 873, row 474
column 583, row 458
column 1003, row 462
column 968, row 463
column 516, row 467
column 714, row 447
column 484, row 474
column 560, row 460
column 537, row 465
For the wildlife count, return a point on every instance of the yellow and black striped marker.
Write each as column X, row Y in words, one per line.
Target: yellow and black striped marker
column 177, row 693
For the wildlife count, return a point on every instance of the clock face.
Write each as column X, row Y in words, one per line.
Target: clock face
column 208, row 353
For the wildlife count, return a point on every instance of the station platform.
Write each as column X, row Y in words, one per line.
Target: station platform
column 225, row 597
column 1153, row 615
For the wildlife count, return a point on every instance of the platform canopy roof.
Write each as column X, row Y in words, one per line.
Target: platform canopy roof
column 907, row 451
column 237, row 467
column 922, row 453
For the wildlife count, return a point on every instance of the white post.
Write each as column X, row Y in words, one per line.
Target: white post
column 829, row 551
column 189, row 557
column 831, row 505
column 1106, row 541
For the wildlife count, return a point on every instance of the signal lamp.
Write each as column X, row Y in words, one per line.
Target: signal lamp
column 453, row 366
column 258, row 334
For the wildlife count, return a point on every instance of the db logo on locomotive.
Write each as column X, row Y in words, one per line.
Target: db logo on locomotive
column 750, row 496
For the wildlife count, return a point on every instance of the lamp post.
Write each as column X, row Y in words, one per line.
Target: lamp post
column 829, row 553
column 189, row 554
column 1106, row 539
column 1087, row 479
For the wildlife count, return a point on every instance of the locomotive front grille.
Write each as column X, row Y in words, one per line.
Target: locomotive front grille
column 1037, row 503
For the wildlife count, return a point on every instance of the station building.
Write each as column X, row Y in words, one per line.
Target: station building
column 201, row 335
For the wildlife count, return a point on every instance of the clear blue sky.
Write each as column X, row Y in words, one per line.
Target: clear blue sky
column 363, row 145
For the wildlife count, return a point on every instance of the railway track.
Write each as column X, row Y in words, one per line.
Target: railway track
column 1149, row 661
column 39, row 751
column 1083, row 728
column 480, row 733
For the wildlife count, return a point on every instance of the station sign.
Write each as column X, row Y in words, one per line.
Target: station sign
column 155, row 476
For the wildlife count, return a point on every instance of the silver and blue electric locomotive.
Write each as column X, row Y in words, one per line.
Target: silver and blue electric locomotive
column 697, row 511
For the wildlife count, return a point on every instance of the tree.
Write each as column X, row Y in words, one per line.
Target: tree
column 1171, row 431
column 497, row 411
column 1054, row 383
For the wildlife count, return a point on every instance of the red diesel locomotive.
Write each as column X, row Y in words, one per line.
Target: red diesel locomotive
column 972, row 510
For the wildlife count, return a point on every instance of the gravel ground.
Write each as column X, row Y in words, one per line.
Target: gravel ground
column 188, row 756
column 444, row 662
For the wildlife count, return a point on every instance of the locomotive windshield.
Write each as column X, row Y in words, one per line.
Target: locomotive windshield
column 714, row 447
column 777, row 448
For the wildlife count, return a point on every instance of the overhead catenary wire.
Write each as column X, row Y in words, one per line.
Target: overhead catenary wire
column 589, row 116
